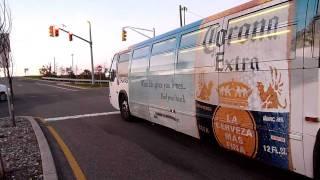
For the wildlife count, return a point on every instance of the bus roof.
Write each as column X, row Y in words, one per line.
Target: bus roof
column 222, row 14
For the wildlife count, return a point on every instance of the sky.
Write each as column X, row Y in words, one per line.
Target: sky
column 32, row 47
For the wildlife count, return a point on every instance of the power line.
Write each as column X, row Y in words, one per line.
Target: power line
column 182, row 13
column 195, row 14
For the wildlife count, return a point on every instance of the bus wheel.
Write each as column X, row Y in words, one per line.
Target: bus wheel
column 124, row 108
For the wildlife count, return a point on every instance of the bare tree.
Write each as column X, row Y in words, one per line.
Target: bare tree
column 45, row 70
column 5, row 51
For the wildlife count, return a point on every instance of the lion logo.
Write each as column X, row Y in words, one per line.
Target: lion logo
column 270, row 97
column 204, row 89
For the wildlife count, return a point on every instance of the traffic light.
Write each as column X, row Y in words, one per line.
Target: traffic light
column 70, row 36
column 56, row 32
column 51, row 31
column 124, row 35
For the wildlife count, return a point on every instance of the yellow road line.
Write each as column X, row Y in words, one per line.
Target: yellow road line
column 66, row 151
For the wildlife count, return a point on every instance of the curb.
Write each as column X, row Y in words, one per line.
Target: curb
column 48, row 167
column 71, row 86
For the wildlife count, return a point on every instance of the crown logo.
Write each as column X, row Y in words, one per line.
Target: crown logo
column 234, row 93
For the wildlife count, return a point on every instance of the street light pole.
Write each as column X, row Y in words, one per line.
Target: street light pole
column 54, row 65
column 92, row 68
column 72, row 62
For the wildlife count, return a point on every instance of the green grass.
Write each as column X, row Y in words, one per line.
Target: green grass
column 33, row 77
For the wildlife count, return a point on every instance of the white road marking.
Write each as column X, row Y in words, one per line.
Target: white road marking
column 82, row 116
column 56, row 87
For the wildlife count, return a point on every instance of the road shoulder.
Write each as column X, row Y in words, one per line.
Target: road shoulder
column 63, row 169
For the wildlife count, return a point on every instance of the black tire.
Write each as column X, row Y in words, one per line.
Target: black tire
column 316, row 158
column 124, row 108
column 3, row 96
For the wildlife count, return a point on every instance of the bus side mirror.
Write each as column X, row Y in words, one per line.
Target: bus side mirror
column 112, row 75
column 107, row 74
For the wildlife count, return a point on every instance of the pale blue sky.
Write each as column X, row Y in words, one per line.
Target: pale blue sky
column 32, row 47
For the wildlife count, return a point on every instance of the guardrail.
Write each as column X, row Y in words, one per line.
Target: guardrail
column 73, row 80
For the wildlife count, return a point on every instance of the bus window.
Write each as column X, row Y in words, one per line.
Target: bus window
column 196, row 47
column 142, row 52
column 193, row 38
column 187, row 57
column 164, row 46
column 316, row 34
column 113, row 68
column 263, row 36
column 124, row 57
column 163, row 55
column 140, row 61
column 123, row 64
column 316, row 38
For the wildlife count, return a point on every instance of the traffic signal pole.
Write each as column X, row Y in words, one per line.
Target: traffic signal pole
column 138, row 30
column 75, row 35
column 90, row 43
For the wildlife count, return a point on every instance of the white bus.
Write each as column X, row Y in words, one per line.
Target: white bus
column 247, row 78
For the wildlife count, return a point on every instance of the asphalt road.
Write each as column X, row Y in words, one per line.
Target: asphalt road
column 106, row 147
column 45, row 99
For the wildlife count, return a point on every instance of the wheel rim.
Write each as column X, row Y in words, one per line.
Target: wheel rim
column 125, row 109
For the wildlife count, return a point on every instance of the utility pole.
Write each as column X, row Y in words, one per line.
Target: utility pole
column 184, row 15
column 92, row 68
column 184, row 9
column 180, row 13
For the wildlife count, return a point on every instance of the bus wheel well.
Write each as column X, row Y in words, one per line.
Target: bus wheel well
column 316, row 157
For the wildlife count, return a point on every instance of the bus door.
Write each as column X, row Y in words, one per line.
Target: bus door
column 159, row 84
column 138, row 83
column 196, row 79
column 114, row 82
column 311, row 81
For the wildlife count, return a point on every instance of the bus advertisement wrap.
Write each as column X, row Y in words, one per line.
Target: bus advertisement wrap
column 246, row 79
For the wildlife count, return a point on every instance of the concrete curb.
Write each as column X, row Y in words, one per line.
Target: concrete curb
column 48, row 167
column 76, row 87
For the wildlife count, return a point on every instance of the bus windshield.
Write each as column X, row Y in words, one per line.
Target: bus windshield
column 113, row 68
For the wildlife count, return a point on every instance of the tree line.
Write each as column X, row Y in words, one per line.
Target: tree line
column 68, row 72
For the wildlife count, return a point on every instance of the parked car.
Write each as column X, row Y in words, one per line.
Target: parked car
column 3, row 92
